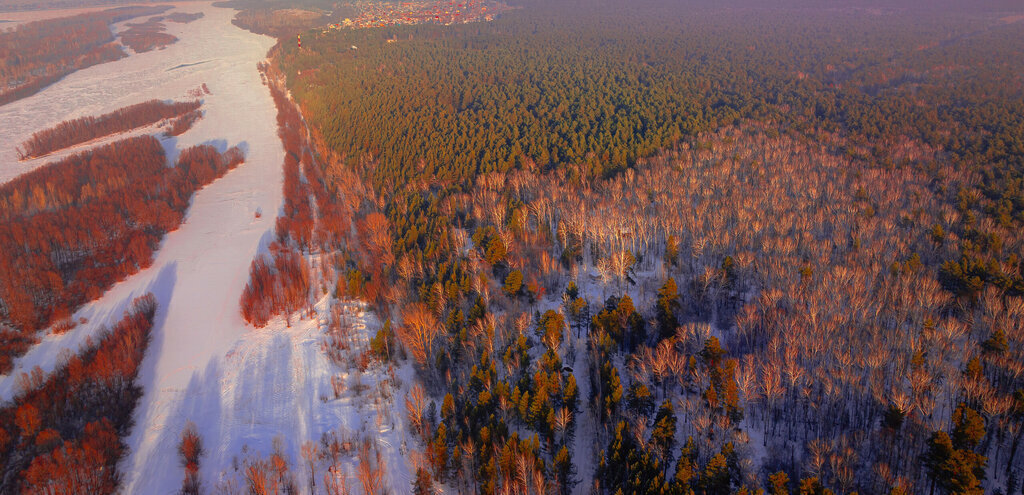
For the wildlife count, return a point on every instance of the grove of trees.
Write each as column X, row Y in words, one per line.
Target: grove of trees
column 664, row 247
column 63, row 432
column 83, row 129
column 71, row 229
column 146, row 36
column 738, row 249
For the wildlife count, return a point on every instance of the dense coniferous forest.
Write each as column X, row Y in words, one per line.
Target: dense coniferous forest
column 654, row 248
column 72, row 228
column 280, row 22
column 39, row 53
column 72, row 132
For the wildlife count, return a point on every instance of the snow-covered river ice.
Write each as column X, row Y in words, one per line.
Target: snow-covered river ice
column 242, row 387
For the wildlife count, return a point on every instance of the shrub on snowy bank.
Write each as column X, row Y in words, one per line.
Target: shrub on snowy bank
column 278, row 285
column 183, row 123
column 189, row 451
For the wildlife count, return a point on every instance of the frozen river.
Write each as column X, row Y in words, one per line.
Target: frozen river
column 201, row 268
column 242, row 387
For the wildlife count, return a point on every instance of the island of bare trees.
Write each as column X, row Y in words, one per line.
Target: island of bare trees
column 146, row 36
column 84, row 129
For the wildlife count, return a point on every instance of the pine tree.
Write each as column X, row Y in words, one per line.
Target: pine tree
column 686, row 470
column 495, row 251
column 715, row 479
column 968, row 428
column 996, row 344
column 668, row 305
column 439, row 451
column 513, row 283
column 422, row 485
column 564, row 469
column 664, row 435
column 812, row 486
column 639, row 400
column 628, row 468
column 955, row 471
column 672, row 250
column 779, row 483
column 893, row 418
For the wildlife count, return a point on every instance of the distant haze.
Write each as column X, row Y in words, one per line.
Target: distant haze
column 960, row 6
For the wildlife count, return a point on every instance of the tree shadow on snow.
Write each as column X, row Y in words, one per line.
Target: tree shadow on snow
column 221, row 145
column 266, row 240
column 170, row 145
column 236, row 412
column 200, row 403
column 264, row 397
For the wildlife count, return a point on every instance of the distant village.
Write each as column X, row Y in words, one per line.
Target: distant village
column 380, row 14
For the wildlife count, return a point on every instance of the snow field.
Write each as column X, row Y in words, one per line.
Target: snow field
column 324, row 396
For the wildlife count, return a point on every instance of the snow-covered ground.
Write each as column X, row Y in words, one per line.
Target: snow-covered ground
column 205, row 262
column 275, row 384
